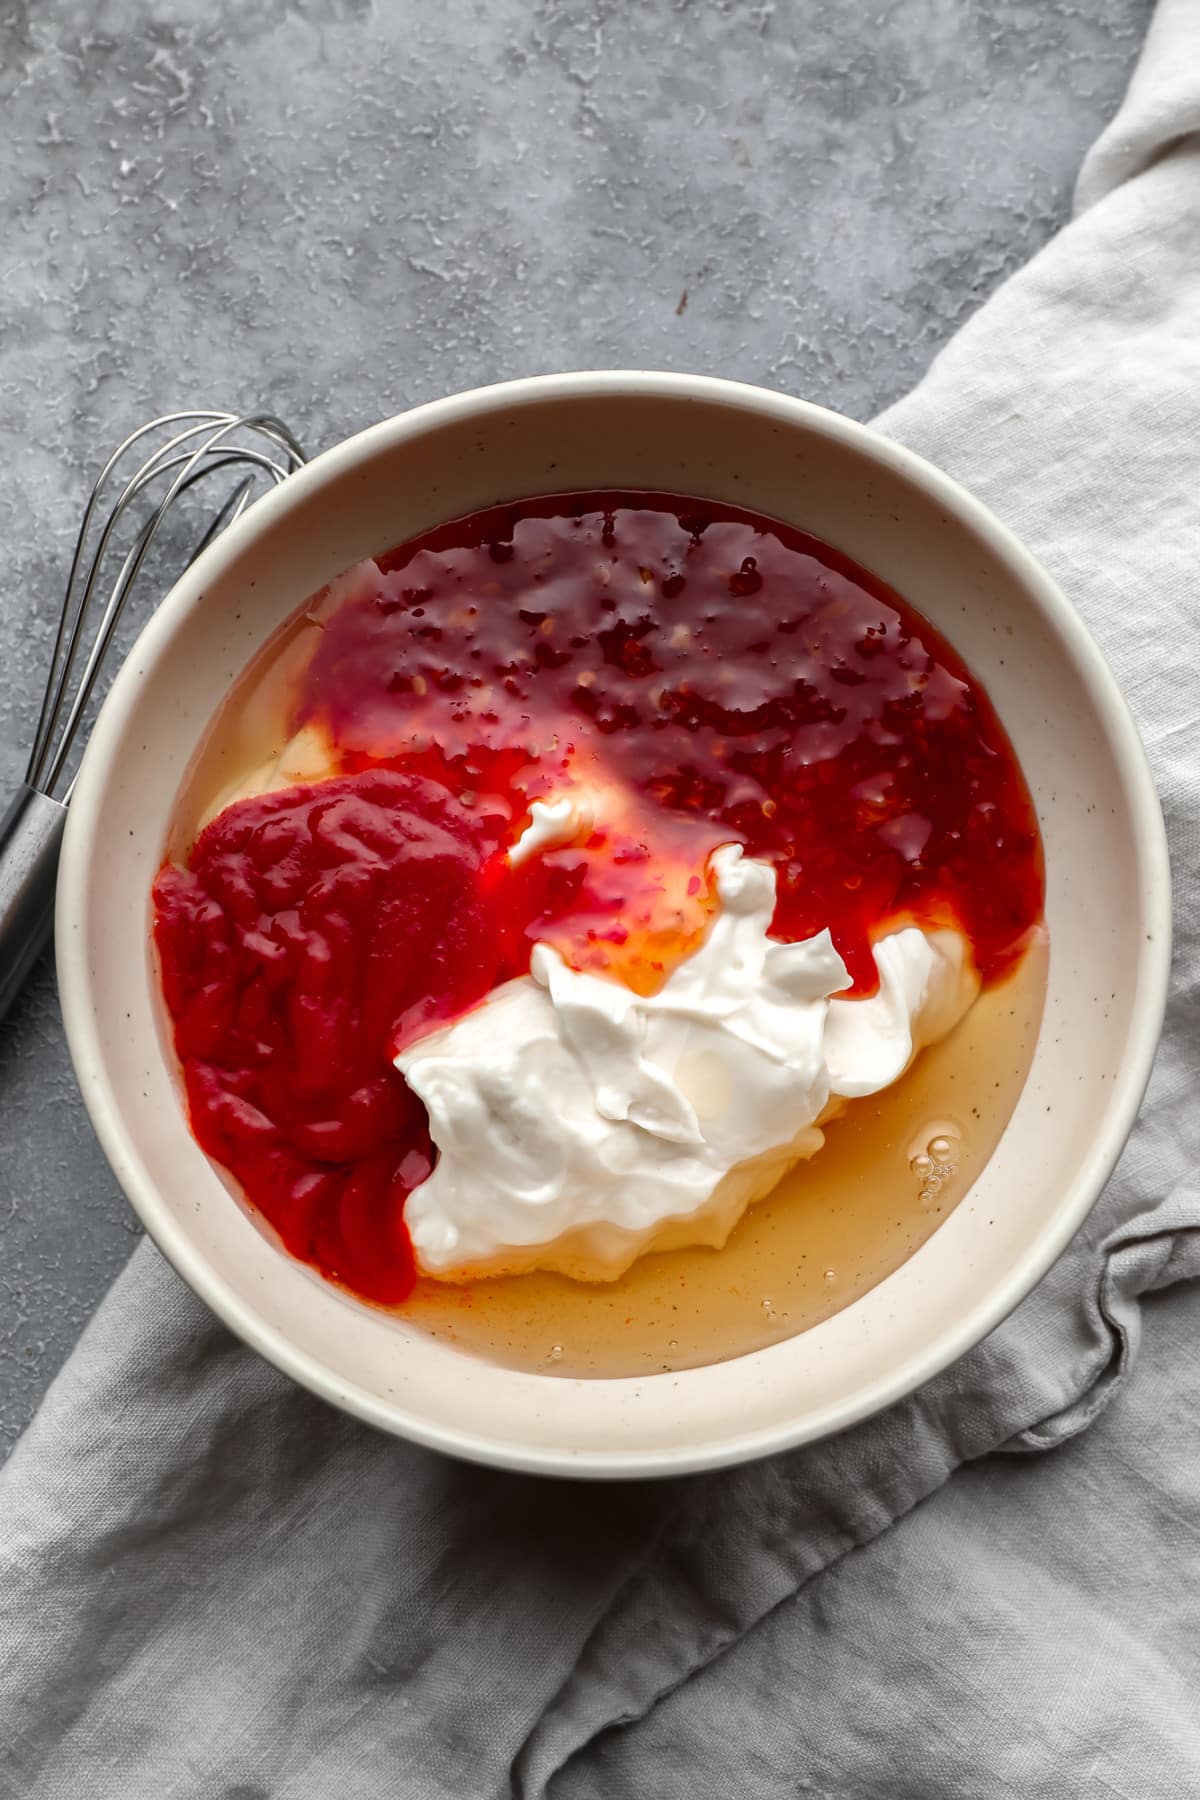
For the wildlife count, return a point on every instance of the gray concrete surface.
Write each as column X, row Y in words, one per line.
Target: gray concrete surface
column 342, row 208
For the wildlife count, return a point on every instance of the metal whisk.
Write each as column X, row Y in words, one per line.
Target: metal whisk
column 140, row 484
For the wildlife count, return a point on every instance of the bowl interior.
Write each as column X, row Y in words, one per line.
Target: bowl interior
column 948, row 558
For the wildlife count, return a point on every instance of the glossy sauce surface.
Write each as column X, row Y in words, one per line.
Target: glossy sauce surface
column 744, row 679
column 709, row 675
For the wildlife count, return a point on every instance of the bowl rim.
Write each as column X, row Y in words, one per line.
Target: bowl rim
column 1147, row 1005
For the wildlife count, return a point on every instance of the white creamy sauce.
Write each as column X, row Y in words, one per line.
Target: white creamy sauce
column 551, row 823
column 580, row 1125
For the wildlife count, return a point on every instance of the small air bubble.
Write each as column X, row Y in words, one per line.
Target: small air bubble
column 556, row 1353
column 921, row 1165
column 941, row 1149
column 830, row 1276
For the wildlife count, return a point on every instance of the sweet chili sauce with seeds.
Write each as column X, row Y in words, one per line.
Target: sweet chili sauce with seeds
column 705, row 675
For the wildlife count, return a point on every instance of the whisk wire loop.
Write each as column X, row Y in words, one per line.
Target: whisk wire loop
column 208, row 443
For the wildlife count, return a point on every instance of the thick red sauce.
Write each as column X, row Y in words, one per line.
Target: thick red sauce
column 717, row 676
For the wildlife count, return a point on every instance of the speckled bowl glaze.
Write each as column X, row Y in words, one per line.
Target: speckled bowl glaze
column 1107, row 908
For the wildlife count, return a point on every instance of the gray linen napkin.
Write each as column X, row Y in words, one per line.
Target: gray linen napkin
column 211, row 1584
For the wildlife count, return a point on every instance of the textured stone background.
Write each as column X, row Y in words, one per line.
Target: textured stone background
column 342, row 208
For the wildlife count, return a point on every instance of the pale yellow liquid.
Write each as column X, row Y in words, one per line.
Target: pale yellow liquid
column 832, row 1229
column 251, row 726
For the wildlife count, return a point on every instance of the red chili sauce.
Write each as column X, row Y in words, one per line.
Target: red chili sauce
column 726, row 677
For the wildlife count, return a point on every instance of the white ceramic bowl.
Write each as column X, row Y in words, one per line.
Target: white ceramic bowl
column 1107, row 908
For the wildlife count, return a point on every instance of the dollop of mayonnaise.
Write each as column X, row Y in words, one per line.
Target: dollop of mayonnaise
column 580, row 1125
column 551, row 823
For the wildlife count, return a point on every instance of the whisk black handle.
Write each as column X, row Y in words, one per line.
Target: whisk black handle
column 30, row 838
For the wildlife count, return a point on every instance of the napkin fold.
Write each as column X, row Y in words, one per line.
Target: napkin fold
column 212, row 1584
